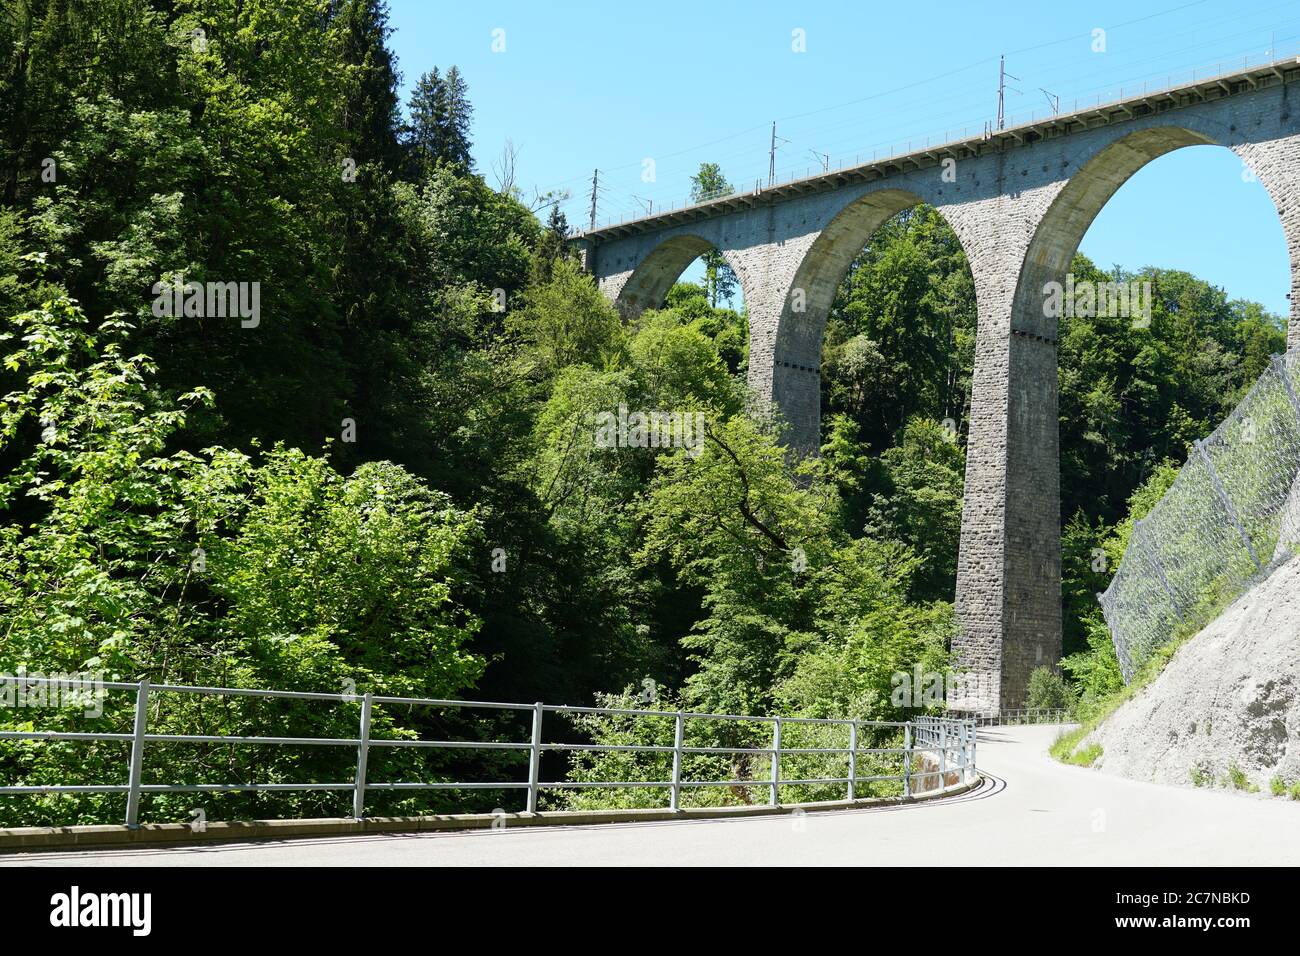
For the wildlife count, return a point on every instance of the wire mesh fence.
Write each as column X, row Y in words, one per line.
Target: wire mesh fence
column 1217, row 527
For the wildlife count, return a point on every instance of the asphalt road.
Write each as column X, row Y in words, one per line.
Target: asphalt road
column 1031, row 810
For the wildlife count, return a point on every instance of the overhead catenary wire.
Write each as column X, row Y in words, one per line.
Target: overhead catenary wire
column 891, row 91
column 890, row 127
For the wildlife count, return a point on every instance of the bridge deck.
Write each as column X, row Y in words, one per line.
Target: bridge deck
column 1101, row 114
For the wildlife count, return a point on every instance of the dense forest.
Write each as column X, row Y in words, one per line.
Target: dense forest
column 383, row 476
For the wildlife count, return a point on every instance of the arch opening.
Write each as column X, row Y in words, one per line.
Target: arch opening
column 1085, row 194
column 888, row 332
column 684, row 257
column 823, row 291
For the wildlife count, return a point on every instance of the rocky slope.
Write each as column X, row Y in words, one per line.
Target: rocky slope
column 1229, row 699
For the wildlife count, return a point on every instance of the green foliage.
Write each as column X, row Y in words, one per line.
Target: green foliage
column 729, row 520
column 1087, row 756
column 798, row 615
column 919, row 500
column 752, row 771
column 440, row 120
column 1095, row 672
column 615, row 730
column 900, row 337
column 1277, row 786
column 568, row 322
column 1135, row 395
column 202, row 569
column 1048, row 691
column 168, row 511
column 873, row 632
column 1202, row 776
column 1089, row 557
column 1237, row 780
column 1067, row 747
column 724, row 327
column 382, row 552
column 719, row 280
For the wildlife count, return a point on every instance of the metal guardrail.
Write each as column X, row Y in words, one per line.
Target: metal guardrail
column 1024, row 715
column 1030, row 715
column 953, row 742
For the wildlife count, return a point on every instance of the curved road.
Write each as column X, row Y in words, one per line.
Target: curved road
column 1031, row 810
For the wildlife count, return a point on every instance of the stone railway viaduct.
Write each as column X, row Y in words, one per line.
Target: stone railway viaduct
column 1020, row 202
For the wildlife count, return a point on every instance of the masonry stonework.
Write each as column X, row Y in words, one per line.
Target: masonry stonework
column 1020, row 203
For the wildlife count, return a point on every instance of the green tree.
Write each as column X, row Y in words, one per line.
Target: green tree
column 719, row 279
column 145, row 563
column 568, row 321
column 427, row 108
column 122, row 557
column 733, row 521
column 1048, row 691
column 554, row 245
column 919, row 504
column 900, row 337
column 440, row 115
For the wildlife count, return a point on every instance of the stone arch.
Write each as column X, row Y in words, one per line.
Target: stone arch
column 1012, row 623
column 797, row 351
column 654, row 275
column 1081, row 199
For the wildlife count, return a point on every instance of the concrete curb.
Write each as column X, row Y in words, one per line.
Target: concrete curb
column 81, row 837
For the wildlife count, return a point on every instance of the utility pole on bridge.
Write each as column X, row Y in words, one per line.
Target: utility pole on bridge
column 1003, row 75
column 595, row 179
column 771, row 157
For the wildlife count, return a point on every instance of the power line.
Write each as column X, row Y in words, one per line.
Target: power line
column 1002, row 90
column 1054, row 99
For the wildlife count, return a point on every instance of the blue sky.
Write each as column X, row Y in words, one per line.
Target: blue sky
column 581, row 85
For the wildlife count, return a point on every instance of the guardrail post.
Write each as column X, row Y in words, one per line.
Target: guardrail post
column 363, row 757
column 679, row 734
column 970, row 742
column 974, row 741
column 961, row 752
column 137, row 755
column 776, row 761
column 535, row 758
column 853, row 758
column 943, row 755
column 907, row 761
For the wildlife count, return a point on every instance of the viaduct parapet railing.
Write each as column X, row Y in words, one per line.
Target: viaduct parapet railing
column 949, row 744
column 1187, row 86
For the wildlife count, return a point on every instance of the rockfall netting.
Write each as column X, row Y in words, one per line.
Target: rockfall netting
column 1216, row 529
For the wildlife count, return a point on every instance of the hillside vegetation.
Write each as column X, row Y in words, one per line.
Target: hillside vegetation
column 387, row 478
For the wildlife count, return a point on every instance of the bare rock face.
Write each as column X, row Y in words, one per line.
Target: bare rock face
column 1229, row 700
